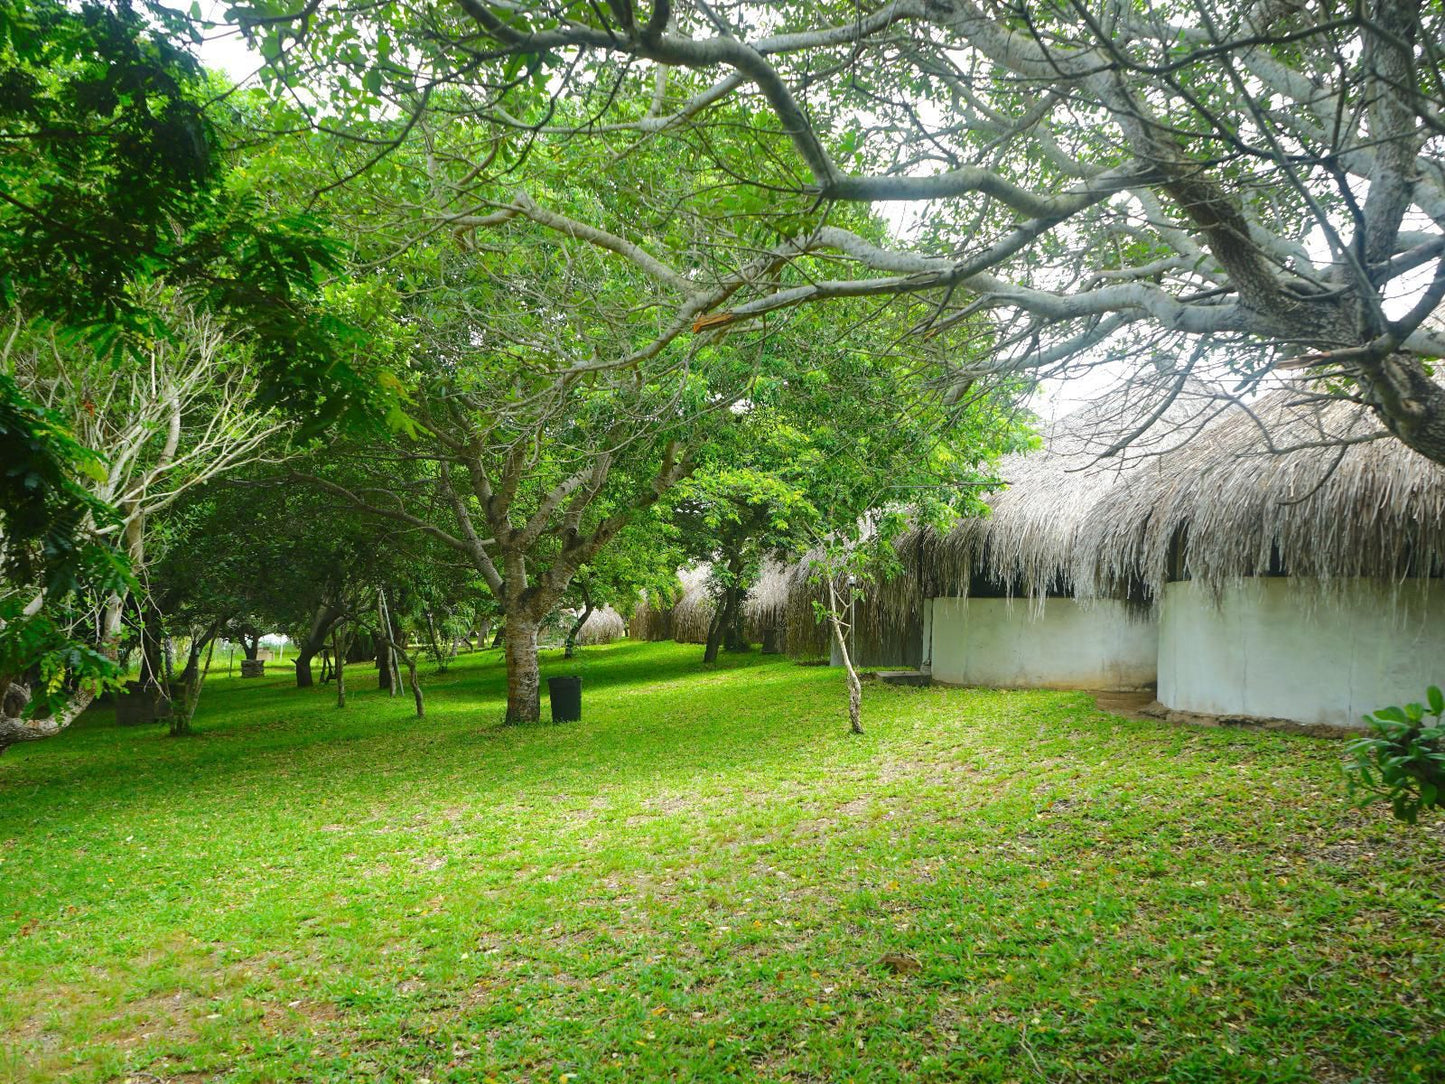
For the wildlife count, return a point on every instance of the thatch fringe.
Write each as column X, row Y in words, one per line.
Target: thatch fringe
column 1272, row 489
column 885, row 618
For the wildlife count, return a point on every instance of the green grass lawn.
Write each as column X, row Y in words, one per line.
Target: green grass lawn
column 698, row 882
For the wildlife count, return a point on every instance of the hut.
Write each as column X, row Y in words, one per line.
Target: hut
column 1014, row 599
column 603, row 626
column 1010, row 598
column 1294, row 554
column 775, row 613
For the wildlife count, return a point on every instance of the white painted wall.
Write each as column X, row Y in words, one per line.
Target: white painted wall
column 994, row 641
column 1282, row 648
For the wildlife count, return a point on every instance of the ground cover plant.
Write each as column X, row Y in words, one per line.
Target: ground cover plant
column 706, row 879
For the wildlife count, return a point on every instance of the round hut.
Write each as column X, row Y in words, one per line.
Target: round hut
column 1295, row 554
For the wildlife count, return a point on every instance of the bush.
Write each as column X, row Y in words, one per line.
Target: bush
column 1402, row 760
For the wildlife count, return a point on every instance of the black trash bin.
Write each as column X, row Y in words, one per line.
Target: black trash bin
column 566, row 696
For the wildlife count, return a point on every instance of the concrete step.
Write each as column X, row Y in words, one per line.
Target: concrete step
column 905, row 677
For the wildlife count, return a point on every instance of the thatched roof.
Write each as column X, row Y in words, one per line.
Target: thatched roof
column 773, row 602
column 1287, row 482
column 1032, row 541
column 1212, row 490
column 603, row 626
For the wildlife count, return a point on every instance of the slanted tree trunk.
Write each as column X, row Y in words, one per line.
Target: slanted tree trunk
column 714, row 634
column 723, row 629
column 183, row 710
column 321, row 623
column 409, row 660
column 501, row 632
column 524, row 701
column 193, row 656
column 390, row 678
column 436, row 644
column 855, row 687
column 152, row 655
column 576, row 628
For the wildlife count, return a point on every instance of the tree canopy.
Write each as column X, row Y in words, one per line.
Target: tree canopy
column 1230, row 188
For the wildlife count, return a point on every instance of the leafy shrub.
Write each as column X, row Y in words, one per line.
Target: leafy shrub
column 1402, row 760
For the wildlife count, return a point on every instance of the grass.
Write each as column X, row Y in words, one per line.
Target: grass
column 697, row 883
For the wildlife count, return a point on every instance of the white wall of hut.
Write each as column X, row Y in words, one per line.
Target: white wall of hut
column 1294, row 648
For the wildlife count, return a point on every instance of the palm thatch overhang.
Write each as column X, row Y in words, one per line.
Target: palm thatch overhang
column 1286, row 485
column 1213, row 491
column 1039, row 537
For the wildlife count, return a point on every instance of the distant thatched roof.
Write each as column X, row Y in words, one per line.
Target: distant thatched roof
column 775, row 602
column 603, row 626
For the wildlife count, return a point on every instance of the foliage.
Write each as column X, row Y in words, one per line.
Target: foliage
column 1403, row 761
column 696, row 883
column 116, row 175
column 46, row 515
column 1209, row 189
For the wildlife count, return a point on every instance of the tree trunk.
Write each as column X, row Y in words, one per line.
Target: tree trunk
column 723, row 631
column 577, row 626
column 152, row 657
column 193, row 657
column 436, row 644
column 184, row 710
column 326, row 616
column 714, row 636
column 855, row 687
column 390, row 678
column 501, row 632
column 524, row 702
column 571, row 645
column 383, row 668
column 338, row 648
column 733, row 639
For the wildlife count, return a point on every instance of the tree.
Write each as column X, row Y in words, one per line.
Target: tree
column 157, row 421
column 48, row 555
column 643, row 557
column 542, row 432
column 856, row 427
column 1236, row 187
column 122, row 246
